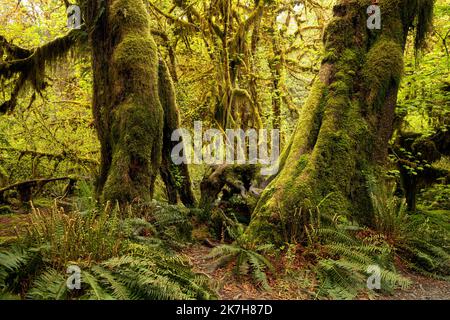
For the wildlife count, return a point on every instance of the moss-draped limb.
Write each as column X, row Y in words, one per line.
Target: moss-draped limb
column 12, row 51
column 28, row 66
column 345, row 125
column 426, row 150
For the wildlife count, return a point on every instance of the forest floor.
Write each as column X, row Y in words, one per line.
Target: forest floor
column 284, row 288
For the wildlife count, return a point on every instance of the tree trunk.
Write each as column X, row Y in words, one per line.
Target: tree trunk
column 127, row 111
column 345, row 126
column 176, row 177
column 276, row 67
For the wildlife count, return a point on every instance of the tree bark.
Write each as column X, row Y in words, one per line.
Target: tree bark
column 127, row 110
column 176, row 177
column 344, row 128
column 25, row 188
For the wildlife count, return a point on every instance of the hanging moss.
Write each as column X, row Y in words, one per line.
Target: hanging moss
column 29, row 67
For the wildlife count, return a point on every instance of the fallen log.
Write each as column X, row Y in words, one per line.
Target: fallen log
column 25, row 187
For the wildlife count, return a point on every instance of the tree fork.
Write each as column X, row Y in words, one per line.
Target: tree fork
column 343, row 131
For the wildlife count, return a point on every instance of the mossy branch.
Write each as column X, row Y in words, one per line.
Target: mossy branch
column 13, row 51
column 30, row 65
column 51, row 156
column 178, row 21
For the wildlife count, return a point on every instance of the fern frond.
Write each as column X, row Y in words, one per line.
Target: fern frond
column 96, row 291
column 51, row 285
column 119, row 291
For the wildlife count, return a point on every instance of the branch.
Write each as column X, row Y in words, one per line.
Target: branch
column 32, row 183
column 51, row 156
column 30, row 64
column 176, row 20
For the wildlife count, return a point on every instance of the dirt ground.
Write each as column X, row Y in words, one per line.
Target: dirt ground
column 230, row 288
column 10, row 221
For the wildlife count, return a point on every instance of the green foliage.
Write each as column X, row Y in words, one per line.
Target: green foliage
column 172, row 223
column 97, row 235
column 426, row 248
column 50, row 285
column 84, row 200
column 342, row 256
column 140, row 272
column 436, row 197
column 147, row 272
column 247, row 259
column 128, row 253
column 390, row 212
column 384, row 65
column 120, row 258
column 424, row 245
column 422, row 101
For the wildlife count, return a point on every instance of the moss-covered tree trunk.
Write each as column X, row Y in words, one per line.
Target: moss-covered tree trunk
column 176, row 177
column 127, row 110
column 345, row 126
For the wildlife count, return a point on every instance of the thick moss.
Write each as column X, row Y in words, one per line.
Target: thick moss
column 384, row 66
column 176, row 177
column 130, row 15
column 137, row 116
column 136, row 152
column 347, row 118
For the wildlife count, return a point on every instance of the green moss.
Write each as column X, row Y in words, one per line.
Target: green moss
column 263, row 231
column 135, row 60
column 136, row 152
column 330, row 56
column 383, row 67
column 304, row 137
column 339, row 87
column 137, row 119
column 339, row 124
column 130, row 15
column 422, row 11
column 339, row 34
